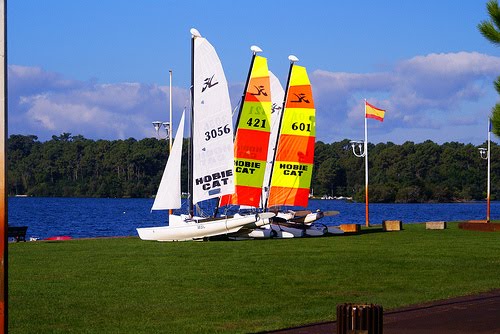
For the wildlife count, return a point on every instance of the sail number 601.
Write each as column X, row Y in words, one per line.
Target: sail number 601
column 214, row 133
column 301, row 126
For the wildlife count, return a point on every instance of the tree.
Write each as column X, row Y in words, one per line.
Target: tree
column 70, row 165
column 328, row 175
column 491, row 31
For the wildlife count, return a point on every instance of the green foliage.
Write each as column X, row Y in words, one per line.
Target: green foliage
column 495, row 118
column 491, row 31
column 72, row 166
column 132, row 286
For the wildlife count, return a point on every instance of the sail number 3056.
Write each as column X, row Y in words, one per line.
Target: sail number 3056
column 214, row 133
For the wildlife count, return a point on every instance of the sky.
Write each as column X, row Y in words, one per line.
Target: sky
column 100, row 68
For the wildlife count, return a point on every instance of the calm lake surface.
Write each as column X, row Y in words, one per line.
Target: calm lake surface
column 97, row 217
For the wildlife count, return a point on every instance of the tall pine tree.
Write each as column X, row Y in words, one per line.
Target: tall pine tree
column 491, row 31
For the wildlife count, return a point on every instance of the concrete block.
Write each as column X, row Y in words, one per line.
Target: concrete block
column 439, row 225
column 350, row 228
column 392, row 225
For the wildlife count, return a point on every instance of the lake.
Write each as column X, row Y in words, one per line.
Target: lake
column 113, row 217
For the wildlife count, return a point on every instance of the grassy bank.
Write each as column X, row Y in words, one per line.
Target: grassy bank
column 133, row 286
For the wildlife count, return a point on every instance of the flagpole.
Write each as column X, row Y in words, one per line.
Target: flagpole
column 367, row 219
column 489, row 174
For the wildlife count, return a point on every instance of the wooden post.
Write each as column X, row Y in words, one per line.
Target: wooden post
column 3, row 169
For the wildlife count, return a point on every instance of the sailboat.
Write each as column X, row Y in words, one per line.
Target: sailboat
column 257, row 144
column 252, row 136
column 292, row 164
column 251, row 143
column 211, row 156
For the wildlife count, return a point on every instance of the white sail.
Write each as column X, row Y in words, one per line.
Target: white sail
column 212, row 136
column 169, row 191
column 212, row 154
column 277, row 98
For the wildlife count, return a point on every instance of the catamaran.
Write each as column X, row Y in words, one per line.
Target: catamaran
column 292, row 164
column 260, row 146
column 211, row 157
column 251, row 145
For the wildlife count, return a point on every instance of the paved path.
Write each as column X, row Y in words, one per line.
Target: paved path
column 469, row 314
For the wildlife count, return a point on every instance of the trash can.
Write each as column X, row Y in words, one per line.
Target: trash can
column 359, row 319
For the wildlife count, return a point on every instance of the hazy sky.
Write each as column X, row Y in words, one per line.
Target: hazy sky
column 100, row 68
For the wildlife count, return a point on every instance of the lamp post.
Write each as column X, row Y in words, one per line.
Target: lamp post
column 485, row 154
column 360, row 150
column 166, row 126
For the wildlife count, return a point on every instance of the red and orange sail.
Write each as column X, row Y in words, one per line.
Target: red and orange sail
column 293, row 165
column 252, row 138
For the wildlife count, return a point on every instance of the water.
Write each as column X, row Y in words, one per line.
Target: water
column 92, row 217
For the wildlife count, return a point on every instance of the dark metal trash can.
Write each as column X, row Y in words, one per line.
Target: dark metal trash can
column 359, row 319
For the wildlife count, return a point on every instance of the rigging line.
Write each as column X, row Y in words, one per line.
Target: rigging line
column 236, row 108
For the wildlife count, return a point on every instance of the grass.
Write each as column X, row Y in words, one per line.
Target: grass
column 133, row 286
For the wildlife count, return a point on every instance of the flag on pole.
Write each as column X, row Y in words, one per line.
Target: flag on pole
column 374, row 112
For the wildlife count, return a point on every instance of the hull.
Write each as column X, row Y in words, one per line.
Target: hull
column 312, row 217
column 258, row 233
column 300, row 230
column 59, row 238
column 315, row 231
column 334, row 230
column 287, row 232
column 285, row 235
column 198, row 229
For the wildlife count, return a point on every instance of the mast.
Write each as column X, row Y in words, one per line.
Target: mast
column 170, row 112
column 255, row 49
column 170, row 130
column 292, row 59
column 194, row 34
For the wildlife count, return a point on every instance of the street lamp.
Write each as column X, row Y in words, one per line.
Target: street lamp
column 360, row 150
column 166, row 126
column 158, row 125
column 485, row 154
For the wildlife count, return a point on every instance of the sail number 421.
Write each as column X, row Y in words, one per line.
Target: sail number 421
column 256, row 123
column 214, row 133
column 301, row 126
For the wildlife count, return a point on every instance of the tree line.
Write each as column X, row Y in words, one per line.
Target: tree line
column 73, row 166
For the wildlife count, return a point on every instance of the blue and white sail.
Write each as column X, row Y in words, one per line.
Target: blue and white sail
column 213, row 154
